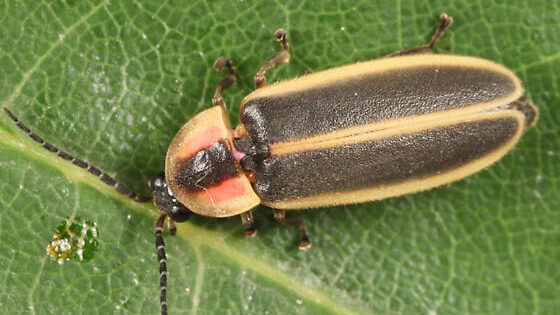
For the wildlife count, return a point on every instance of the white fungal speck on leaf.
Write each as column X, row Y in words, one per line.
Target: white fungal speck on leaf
column 74, row 238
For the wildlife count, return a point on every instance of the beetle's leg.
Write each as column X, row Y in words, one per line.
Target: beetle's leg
column 280, row 216
column 247, row 220
column 171, row 227
column 226, row 82
column 160, row 246
column 445, row 21
column 282, row 57
column 305, row 242
column 78, row 162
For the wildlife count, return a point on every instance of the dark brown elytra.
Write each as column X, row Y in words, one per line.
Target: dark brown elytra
column 399, row 158
column 375, row 98
column 162, row 197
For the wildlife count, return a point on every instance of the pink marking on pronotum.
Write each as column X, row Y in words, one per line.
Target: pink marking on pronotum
column 201, row 141
column 225, row 190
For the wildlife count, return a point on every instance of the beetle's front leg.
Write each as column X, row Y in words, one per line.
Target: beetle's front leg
column 226, row 82
column 171, row 227
column 297, row 220
column 445, row 21
column 281, row 58
column 248, row 222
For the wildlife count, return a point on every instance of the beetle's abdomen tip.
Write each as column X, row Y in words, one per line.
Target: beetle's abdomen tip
column 530, row 111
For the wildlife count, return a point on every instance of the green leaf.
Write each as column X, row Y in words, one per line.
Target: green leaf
column 111, row 82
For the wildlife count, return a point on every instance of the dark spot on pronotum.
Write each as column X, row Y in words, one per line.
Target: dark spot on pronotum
column 206, row 168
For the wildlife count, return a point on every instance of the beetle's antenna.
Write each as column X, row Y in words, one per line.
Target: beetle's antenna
column 226, row 82
column 78, row 162
column 160, row 246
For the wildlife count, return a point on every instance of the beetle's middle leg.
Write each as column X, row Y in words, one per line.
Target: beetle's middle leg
column 281, row 58
column 445, row 22
column 297, row 220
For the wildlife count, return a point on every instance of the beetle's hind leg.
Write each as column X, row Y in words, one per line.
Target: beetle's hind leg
column 282, row 57
column 297, row 220
column 445, row 22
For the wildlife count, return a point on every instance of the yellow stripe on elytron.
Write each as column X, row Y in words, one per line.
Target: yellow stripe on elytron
column 406, row 187
column 377, row 66
column 385, row 129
